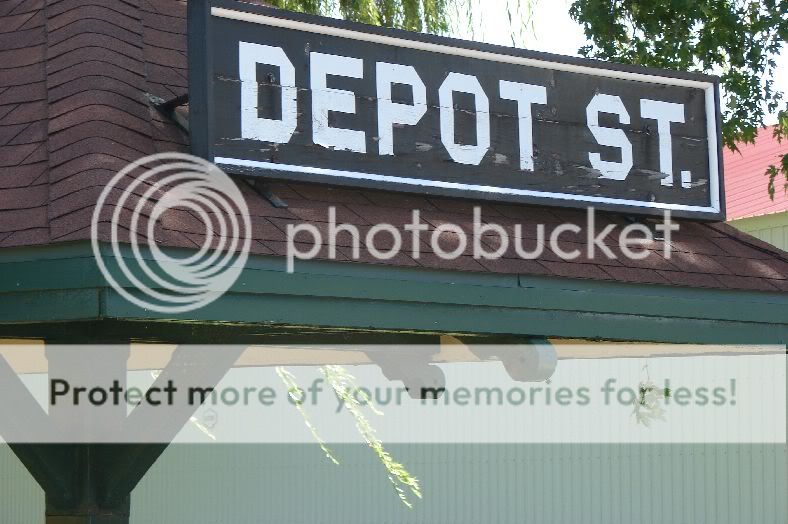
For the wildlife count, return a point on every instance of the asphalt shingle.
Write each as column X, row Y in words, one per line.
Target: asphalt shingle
column 74, row 81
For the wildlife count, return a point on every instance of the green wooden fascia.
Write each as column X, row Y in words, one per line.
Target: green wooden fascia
column 63, row 283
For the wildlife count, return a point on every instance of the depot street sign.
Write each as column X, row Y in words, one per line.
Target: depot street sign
column 306, row 98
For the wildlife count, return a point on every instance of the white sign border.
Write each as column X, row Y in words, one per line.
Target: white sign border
column 707, row 87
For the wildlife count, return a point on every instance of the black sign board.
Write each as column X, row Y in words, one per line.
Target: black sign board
column 306, row 98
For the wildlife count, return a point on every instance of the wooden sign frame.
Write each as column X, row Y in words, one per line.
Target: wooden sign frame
column 573, row 144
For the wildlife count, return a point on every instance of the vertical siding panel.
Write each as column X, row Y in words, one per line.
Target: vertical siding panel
column 688, row 483
column 644, row 473
column 770, row 474
column 592, row 474
column 469, row 483
column 613, row 509
column 21, row 499
column 748, row 480
column 570, row 465
column 716, row 484
column 703, row 494
column 660, row 513
column 781, row 482
column 529, row 468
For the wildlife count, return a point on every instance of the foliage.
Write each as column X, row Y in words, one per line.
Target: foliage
column 297, row 395
column 414, row 15
column 647, row 406
column 354, row 399
column 736, row 39
column 441, row 17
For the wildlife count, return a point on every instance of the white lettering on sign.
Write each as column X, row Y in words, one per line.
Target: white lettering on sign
column 325, row 99
column 608, row 136
column 525, row 95
column 464, row 153
column 390, row 112
column 400, row 111
column 664, row 113
column 252, row 126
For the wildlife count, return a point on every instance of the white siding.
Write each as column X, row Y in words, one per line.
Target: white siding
column 561, row 483
column 769, row 228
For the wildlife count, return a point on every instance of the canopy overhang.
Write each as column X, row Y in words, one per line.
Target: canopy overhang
column 61, row 287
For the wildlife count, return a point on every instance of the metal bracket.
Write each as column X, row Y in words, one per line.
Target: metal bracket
column 172, row 103
column 264, row 191
column 650, row 222
column 168, row 107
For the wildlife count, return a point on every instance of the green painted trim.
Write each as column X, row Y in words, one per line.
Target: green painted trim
column 365, row 296
column 272, row 310
column 50, row 274
column 541, row 295
column 47, row 306
column 77, row 249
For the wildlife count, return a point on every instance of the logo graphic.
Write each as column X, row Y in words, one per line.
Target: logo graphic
column 137, row 199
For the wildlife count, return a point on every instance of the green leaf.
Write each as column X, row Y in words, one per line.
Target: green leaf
column 734, row 39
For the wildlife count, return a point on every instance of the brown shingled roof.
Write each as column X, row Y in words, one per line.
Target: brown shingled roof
column 75, row 83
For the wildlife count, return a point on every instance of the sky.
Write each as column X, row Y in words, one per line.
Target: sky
column 556, row 32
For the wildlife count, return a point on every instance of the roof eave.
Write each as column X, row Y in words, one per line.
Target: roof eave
column 322, row 294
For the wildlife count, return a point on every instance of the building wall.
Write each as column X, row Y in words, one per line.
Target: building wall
column 558, row 483
column 618, row 479
column 21, row 500
column 769, row 228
